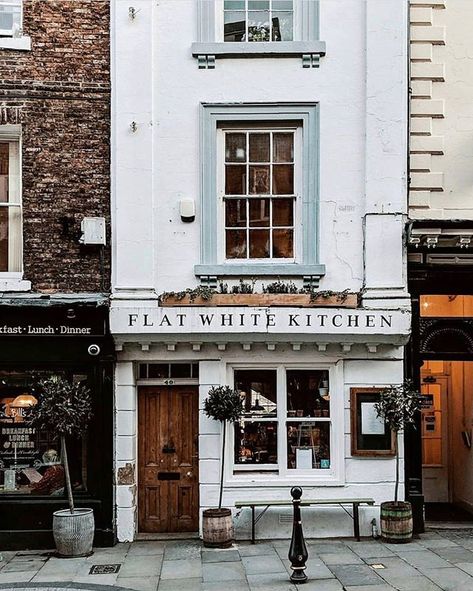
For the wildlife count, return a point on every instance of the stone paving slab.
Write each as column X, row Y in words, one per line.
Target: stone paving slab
column 438, row 561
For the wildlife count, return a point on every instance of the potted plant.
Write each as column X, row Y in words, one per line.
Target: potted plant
column 225, row 405
column 65, row 408
column 397, row 406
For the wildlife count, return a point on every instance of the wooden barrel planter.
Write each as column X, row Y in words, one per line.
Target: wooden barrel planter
column 217, row 528
column 396, row 522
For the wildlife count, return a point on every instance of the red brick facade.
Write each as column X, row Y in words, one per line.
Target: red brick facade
column 60, row 93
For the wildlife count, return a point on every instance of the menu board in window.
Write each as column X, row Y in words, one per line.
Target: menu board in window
column 370, row 436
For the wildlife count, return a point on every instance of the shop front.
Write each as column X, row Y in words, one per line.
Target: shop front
column 307, row 378
column 69, row 339
column 439, row 476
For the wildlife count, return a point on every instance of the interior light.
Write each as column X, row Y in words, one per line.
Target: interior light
column 24, row 401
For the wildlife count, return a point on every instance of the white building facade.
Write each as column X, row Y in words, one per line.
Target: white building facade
column 257, row 146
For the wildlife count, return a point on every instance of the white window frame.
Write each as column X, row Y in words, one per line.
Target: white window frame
column 14, row 38
column 13, row 280
column 219, row 24
column 279, row 474
column 15, row 4
column 297, row 258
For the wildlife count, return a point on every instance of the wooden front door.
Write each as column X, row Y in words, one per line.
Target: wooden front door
column 168, row 478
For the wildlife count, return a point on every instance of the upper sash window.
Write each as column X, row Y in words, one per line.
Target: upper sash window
column 10, row 18
column 258, row 20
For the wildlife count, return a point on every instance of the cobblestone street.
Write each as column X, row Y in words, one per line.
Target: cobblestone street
column 438, row 560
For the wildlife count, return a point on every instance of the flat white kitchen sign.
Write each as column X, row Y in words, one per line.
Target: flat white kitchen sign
column 221, row 320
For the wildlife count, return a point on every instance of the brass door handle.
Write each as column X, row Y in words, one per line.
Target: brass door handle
column 188, row 474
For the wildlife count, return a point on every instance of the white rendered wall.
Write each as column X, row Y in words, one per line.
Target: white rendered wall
column 158, row 85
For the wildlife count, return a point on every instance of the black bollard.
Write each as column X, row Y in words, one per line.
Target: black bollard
column 297, row 551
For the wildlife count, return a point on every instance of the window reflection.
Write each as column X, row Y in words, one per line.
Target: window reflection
column 30, row 459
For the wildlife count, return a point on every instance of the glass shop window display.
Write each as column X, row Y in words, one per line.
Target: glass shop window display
column 297, row 414
column 30, row 459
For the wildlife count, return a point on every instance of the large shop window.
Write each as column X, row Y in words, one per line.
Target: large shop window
column 10, row 207
column 30, row 459
column 287, row 424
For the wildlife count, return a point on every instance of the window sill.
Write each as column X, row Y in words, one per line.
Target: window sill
column 18, row 43
column 13, row 284
column 309, row 51
column 311, row 273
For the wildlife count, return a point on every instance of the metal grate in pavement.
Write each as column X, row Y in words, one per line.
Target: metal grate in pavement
column 104, row 569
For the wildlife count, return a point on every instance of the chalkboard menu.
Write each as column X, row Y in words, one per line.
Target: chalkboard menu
column 370, row 436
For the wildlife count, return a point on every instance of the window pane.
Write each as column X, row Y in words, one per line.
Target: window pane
column 259, row 147
column 256, row 442
column 235, row 147
column 234, row 26
column 307, row 393
column 180, row 370
column 234, row 5
column 308, row 445
column 30, row 460
column 259, row 244
column 283, row 244
column 259, row 180
column 235, row 213
column 282, row 26
column 235, row 244
column 283, row 212
column 235, row 180
column 258, row 387
column 282, row 5
column 283, row 147
column 3, row 238
column 258, row 26
column 158, row 370
column 258, row 4
column 10, row 16
column 4, row 164
column 259, row 212
column 283, row 179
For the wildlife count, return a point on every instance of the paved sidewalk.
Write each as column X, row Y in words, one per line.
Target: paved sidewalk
column 438, row 560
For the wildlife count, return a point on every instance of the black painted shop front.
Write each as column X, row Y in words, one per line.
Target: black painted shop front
column 71, row 340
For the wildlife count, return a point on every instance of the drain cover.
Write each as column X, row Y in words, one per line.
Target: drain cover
column 104, row 569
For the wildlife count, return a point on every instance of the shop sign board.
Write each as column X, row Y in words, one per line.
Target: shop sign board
column 218, row 320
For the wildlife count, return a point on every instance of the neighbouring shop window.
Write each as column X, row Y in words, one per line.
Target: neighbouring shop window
column 10, row 17
column 259, row 194
column 10, row 207
column 296, row 413
column 258, row 20
column 30, row 459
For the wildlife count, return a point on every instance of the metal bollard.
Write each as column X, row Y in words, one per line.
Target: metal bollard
column 297, row 551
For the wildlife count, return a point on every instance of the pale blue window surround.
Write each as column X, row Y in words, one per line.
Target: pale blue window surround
column 306, row 115
column 306, row 45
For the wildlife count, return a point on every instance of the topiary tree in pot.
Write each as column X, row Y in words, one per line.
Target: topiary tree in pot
column 65, row 408
column 225, row 405
column 397, row 406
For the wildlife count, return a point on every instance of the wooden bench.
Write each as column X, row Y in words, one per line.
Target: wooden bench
column 304, row 503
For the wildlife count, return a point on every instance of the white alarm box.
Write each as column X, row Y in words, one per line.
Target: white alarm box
column 93, row 231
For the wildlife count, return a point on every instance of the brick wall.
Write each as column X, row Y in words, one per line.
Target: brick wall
column 60, row 93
